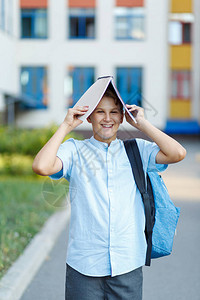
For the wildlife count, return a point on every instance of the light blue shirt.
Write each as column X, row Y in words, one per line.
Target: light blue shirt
column 106, row 234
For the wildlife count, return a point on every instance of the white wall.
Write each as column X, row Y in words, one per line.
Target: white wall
column 8, row 41
column 103, row 53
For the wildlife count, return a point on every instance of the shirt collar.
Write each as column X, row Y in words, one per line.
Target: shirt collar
column 102, row 145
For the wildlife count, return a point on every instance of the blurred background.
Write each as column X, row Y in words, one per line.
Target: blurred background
column 51, row 52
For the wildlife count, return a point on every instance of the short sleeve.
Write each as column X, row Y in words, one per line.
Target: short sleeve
column 148, row 151
column 65, row 153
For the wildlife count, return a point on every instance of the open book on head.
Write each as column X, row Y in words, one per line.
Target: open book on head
column 94, row 94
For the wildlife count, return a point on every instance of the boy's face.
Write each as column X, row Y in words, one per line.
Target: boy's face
column 105, row 120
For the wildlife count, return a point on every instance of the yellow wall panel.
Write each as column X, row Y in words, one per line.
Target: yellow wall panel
column 181, row 57
column 181, row 6
column 180, row 109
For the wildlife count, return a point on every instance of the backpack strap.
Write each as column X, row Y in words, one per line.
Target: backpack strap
column 139, row 176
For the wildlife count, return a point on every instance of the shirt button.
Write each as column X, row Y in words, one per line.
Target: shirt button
column 112, row 229
column 111, row 190
column 112, row 209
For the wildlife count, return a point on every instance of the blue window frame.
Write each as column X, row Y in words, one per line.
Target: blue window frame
column 82, row 23
column 129, row 23
column 34, row 23
column 80, row 79
column 2, row 14
column 129, row 84
column 33, row 81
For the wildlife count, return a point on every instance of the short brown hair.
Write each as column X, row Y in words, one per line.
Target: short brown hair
column 111, row 94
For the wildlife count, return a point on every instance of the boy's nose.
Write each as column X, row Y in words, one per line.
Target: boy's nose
column 107, row 117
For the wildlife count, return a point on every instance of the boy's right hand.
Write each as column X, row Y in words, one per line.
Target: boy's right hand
column 71, row 118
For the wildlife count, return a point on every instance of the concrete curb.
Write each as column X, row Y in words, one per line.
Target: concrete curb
column 15, row 281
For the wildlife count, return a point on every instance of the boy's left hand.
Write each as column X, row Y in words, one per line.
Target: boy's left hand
column 138, row 114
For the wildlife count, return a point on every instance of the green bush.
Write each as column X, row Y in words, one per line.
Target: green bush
column 16, row 164
column 18, row 147
column 27, row 141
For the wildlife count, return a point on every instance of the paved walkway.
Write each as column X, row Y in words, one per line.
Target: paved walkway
column 48, row 284
column 174, row 277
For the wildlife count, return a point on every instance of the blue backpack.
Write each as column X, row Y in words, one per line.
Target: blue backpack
column 160, row 213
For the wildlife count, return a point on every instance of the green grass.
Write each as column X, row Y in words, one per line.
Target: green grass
column 25, row 204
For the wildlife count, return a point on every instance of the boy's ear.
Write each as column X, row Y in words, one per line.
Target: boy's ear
column 122, row 118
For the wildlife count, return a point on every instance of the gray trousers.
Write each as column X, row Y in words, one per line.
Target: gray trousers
column 121, row 287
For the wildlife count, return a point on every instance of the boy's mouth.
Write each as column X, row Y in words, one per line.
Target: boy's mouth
column 107, row 126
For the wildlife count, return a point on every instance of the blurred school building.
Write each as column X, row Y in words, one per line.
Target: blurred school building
column 52, row 51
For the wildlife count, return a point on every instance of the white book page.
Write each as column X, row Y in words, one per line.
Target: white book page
column 93, row 95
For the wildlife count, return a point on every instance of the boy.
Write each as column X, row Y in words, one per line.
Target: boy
column 107, row 245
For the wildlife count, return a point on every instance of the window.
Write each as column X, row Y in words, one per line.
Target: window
column 129, row 23
column 78, row 80
column 186, row 32
column 179, row 33
column 34, row 87
column 2, row 14
column 181, row 85
column 180, row 28
column 34, row 23
column 81, row 23
column 129, row 84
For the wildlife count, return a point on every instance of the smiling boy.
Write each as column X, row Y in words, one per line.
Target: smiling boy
column 106, row 118
column 107, row 245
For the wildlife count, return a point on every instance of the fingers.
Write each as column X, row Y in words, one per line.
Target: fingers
column 134, row 107
column 79, row 110
column 81, row 107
